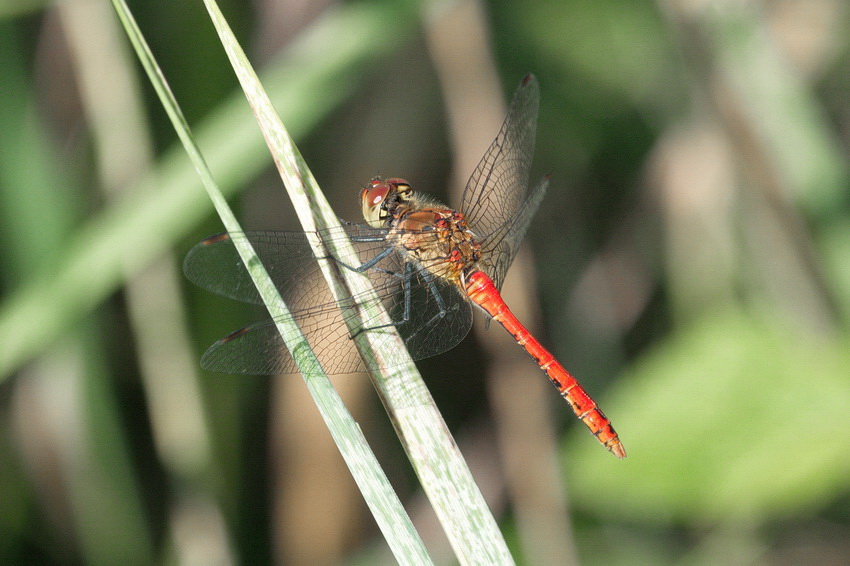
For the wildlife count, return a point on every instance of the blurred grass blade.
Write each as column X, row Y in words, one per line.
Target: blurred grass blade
column 383, row 502
column 466, row 519
column 731, row 383
column 64, row 445
column 111, row 97
column 92, row 261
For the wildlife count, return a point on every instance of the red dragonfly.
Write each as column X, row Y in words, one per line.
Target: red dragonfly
column 427, row 263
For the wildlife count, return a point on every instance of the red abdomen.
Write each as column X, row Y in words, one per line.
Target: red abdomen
column 482, row 291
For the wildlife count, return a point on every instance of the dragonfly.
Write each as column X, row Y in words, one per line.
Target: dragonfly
column 427, row 263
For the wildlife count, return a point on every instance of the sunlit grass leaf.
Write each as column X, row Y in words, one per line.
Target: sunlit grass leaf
column 444, row 475
column 379, row 495
column 307, row 79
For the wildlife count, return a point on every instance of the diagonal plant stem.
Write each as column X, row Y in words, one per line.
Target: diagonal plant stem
column 445, row 477
column 91, row 261
column 382, row 500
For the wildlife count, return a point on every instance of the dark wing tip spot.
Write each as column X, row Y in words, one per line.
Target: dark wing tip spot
column 234, row 335
column 224, row 236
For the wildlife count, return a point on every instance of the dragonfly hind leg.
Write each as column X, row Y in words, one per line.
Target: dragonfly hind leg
column 405, row 285
column 438, row 298
column 406, row 275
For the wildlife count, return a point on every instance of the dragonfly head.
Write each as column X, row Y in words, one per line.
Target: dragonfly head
column 380, row 198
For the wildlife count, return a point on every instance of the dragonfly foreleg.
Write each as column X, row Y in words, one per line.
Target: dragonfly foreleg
column 368, row 264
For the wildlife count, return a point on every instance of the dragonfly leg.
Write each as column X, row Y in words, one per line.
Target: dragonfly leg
column 438, row 298
column 381, row 237
column 407, row 301
column 435, row 292
column 406, row 275
column 367, row 265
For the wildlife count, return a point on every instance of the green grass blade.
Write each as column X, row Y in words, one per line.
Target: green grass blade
column 92, row 261
column 466, row 519
column 65, row 402
column 383, row 502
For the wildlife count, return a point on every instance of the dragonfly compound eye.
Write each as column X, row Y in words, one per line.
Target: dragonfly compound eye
column 373, row 202
column 380, row 199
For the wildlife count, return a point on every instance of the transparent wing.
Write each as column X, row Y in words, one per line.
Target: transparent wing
column 496, row 201
column 430, row 315
column 502, row 245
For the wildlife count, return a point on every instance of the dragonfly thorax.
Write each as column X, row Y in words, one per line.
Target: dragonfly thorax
column 437, row 239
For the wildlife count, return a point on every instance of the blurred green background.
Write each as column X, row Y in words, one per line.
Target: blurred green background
column 691, row 264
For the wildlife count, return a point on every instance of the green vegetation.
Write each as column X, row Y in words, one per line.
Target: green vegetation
column 691, row 264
